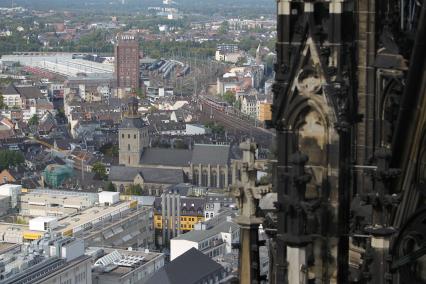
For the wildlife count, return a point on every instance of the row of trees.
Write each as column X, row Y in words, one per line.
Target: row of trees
column 215, row 127
column 133, row 189
column 10, row 159
column 158, row 48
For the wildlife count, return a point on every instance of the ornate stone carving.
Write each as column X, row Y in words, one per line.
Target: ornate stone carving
column 246, row 190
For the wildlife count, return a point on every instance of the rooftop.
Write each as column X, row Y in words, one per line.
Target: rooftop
column 76, row 222
column 214, row 154
column 132, row 122
column 200, row 235
column 188, row 268
column 169, row 157
column 149, row 175
column 117, row 262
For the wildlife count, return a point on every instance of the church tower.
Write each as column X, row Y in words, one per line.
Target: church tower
column 132, row 135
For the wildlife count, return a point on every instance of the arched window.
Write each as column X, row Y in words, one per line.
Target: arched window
column 128, row 147
column 204, row 178
column 195, row 178
column 214, row 179
column 222, row 179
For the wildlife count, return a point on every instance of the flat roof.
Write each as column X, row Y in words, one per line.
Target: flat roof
column 17, row 228
column 44, row 219
column 109, row 193
column 122, row 270
column 88, row 215
column 201, row 235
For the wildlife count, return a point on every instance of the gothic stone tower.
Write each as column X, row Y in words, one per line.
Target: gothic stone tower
column 312, row 114
column 132, row 135
column 349, row 117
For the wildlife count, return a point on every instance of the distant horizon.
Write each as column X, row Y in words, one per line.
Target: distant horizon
column 137, row 5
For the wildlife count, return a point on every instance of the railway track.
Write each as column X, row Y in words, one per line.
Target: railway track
column 235, row 125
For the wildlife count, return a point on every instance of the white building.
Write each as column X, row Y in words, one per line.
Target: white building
column 215, row 203
column 194, row 129
column 214, row 242
column 118, row 266
column 249, row 105
column 108, row 197
column 48, row 261
column 43, row 224
column 12, row 190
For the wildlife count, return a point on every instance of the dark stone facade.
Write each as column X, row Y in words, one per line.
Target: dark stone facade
column 350, row 115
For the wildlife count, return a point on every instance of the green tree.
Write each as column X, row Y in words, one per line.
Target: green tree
column 134, row 189
column 10, row 158
column 215, row 128
column 224, row 27
column 60, row 115
column 110, row 187
column 241, row 61
column 114, row 150
column 180, row 144
column 33, row 120
column 247, row 43
column 141, row 93
column 100, row 171
column 109, row 149
column 2, row 104
column 229, row 97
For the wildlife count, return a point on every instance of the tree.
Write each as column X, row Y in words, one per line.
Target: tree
column 241, row 61
column 140, row 93
column 215, row 128
column 246, row 43
column 2, row 104
column 109, row 149
column 224, row 27
column 60, row 115
column 100, row 171
column 33, row 120
column 134, row 189
column 229, row 97
column 110, row 187
column 10, row 158
column 153, row 109
column 180, row 144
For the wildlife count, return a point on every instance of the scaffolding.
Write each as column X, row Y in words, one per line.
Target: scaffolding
column 54, row 175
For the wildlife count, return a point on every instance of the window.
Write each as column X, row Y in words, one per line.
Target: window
column 135, row 136
column 128, row 147
column 128, row 136
column 122, row 135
